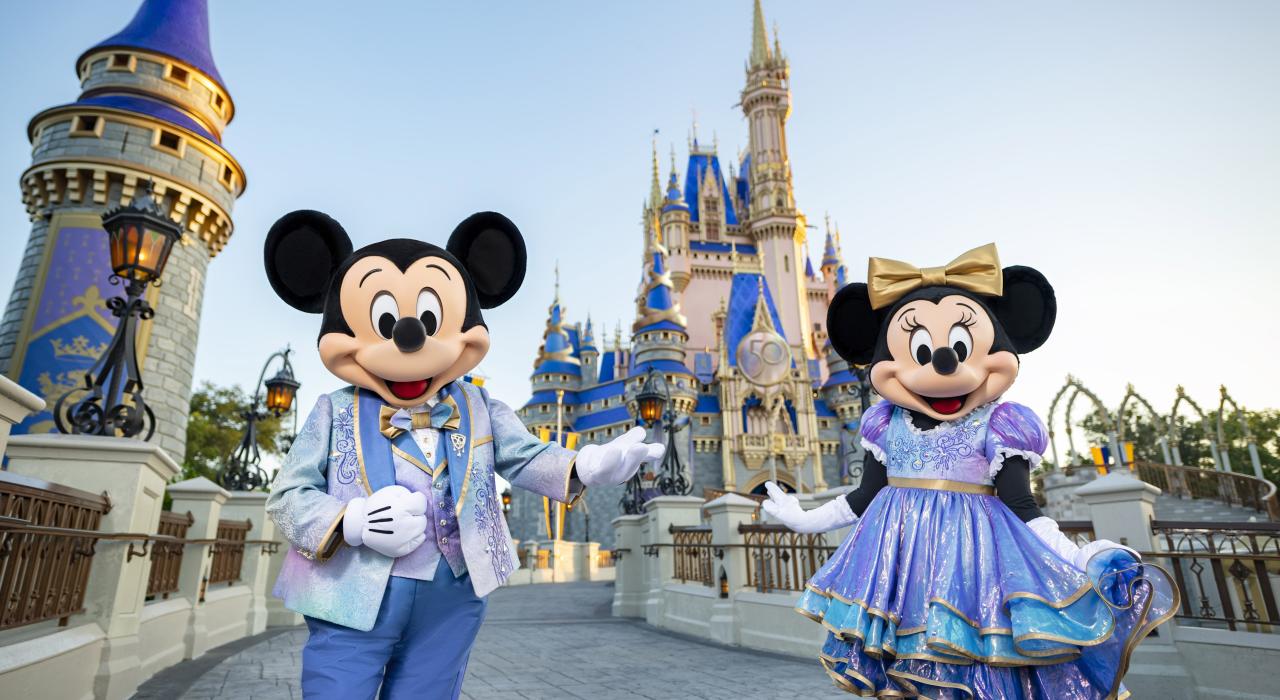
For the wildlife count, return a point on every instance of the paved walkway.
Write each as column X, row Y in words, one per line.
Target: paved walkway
column 544, row 641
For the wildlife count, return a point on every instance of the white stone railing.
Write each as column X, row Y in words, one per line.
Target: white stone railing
column 121, row 638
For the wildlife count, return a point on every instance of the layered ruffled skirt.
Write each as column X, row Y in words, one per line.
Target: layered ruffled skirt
column 944, row 594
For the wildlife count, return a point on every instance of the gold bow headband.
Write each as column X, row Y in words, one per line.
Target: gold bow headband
column 977, row 271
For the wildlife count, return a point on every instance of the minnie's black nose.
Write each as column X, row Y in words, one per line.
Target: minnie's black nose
column 409, row 334
column 945, row 360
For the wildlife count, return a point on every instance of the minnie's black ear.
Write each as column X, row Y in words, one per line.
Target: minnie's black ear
column 303, row 250
column 492, row 250
column 1027, row 309
column 853, row 326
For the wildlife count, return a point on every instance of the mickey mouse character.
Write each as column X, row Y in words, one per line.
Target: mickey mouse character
column 952, row 582
column 388, row 495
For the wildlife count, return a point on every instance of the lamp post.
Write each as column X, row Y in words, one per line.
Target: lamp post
column 654, row 404
column 140, row 237
column 241, row 471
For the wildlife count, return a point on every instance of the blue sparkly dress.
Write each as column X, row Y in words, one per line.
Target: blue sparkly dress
column 941, row 591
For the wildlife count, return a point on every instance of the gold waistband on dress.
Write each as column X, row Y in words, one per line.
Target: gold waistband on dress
column 942, row 485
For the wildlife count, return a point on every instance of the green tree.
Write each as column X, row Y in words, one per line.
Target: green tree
column 215, row 427
column 1192, row 443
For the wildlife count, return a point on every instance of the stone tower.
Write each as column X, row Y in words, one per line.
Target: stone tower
column 152, row 107
column 772, row 219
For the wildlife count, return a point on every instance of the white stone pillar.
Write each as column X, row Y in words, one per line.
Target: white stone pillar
column 590, row 560
column 252, row 506
column 204, row 500
column 16, row 403
column 132, row 473
column 665, row 512
column 727, row 513
column 631, row 586
column 1121, row 507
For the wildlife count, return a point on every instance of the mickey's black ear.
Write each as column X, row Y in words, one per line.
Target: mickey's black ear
column 853, row 326
column 492, row 250
column 1027, row 309
column 303, row 250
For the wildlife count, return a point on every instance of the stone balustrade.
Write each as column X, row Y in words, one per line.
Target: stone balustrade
column 131, row 624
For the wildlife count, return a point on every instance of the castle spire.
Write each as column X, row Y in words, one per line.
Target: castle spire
column 178, row 29
column 760, row 53
column 655, row 185
column 658, row 302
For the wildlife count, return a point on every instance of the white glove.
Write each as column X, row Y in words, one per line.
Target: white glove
column 785, row 508
column 1047, row 530
column 391, row 522
column 617, row 460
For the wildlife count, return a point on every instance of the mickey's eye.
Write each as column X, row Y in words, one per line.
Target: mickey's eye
column 384, row 313
column 922, row 346
column 429, row 310
column 961, row 341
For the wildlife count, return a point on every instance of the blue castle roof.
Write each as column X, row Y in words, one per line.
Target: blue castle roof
column 642, row 368
column 742, row 309
column 175, row 28
column 607, row 361
column 151, row 108
column 717, row 247
column 744, row 183
column 698, row 165
column 613, row 414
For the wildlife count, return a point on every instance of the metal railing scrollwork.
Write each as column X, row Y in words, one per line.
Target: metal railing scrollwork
column 166, row 555
column 694, row 554
column 1227, row 572
column 781, row 560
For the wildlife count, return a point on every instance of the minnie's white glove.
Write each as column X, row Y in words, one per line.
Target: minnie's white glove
column 1047, row 530
column 391, row 522
column 617, row 460
column 785, row 508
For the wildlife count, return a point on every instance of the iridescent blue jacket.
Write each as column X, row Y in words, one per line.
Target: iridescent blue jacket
column 340, row 454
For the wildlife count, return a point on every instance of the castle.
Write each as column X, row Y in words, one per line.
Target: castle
column 725, row 267
column 152, row 107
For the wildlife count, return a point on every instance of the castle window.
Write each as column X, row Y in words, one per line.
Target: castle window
column 228, row 176
column 169, row 141
column 86, row 125
column 706, row 420
column 786, row 263
column 122, row 62
column 178, row 74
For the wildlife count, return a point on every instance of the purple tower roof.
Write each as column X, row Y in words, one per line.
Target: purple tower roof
column 176, row 28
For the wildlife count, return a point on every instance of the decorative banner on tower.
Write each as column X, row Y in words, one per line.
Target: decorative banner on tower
column 65, row 331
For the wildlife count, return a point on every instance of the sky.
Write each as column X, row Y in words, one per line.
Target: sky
column 1130, row 151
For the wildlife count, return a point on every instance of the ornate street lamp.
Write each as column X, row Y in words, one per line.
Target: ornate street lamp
column 242, row 472
column 653, row 403
column 140, row 237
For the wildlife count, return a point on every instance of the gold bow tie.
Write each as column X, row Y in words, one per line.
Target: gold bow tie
column 442, row 416
column 976, row 271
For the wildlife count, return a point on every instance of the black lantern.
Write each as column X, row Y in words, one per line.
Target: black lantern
column 654, row 405
column 242, row 470
column 140, row 237
column 281, row 389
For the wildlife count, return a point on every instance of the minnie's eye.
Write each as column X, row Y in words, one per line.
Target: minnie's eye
column 922, row 346
column 429, row 310
column 961, row 341
column 384, row 313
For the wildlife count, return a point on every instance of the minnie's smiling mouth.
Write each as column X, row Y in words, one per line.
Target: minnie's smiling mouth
column 407, row 391
column 946, row 405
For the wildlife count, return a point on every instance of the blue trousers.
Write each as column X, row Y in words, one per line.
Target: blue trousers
column 418, row 648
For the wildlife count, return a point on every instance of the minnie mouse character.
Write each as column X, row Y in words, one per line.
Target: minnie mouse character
column 388, row 495
column 953, row 583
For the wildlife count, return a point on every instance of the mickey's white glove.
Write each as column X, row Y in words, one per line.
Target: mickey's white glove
column 785, row 508
column 1047, row 530
column 391, row 522
column 617, row 460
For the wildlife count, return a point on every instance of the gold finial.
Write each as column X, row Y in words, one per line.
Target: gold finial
column 655, row 186
column 759, row 40
column 557, row 280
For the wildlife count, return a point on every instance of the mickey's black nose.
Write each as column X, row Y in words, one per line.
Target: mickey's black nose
column 409, row 334
column 945, row 360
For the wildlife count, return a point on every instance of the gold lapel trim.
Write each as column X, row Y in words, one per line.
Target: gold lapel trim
column 355, row 421
column 415, row 462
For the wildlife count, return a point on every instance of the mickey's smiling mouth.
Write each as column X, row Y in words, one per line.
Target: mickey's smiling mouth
column 408, row 391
